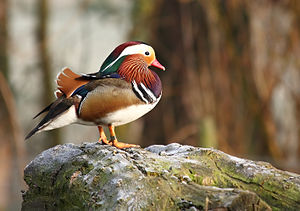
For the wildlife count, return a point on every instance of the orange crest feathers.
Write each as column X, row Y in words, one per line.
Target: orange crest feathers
column 67, row 83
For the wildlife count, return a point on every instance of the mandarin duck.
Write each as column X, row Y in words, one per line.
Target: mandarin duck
column 123, row 90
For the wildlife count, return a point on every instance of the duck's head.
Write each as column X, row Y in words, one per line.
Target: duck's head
column 130, row 57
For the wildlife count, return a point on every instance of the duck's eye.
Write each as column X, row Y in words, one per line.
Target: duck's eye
column 147, row 53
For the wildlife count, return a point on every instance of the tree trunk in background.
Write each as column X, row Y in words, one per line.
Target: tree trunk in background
column 11, row 138
column 232, row 78
column 3, row 38
column 275, row 48
column 54, row 136
column 5, row 129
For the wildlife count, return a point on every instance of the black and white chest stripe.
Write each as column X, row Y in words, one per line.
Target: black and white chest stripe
column 144, row 93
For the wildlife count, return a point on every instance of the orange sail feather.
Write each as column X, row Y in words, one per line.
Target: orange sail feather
column 67, row 83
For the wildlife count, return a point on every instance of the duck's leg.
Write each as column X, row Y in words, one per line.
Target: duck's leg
column 102, row 137
column 114, row 140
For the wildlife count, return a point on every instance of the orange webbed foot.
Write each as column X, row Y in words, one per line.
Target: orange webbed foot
column 114, row 141
column 121, row 145
column 105, row 141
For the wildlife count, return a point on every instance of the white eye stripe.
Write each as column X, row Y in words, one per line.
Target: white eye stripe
column 130, row 50
column 135, row 49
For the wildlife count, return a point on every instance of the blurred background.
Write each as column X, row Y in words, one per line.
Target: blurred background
column 232, row 79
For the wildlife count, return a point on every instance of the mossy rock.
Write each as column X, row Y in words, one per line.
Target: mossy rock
column 173, row 177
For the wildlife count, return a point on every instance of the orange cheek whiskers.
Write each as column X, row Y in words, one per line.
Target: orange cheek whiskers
column 136, row 69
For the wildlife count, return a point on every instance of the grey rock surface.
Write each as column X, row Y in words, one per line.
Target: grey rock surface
column 171, row 177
